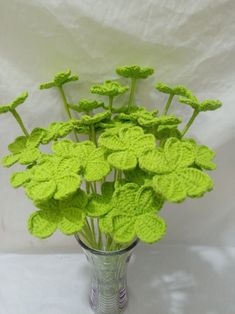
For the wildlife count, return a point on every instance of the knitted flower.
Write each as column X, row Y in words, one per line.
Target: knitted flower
column 126, row 146
column 134, row 71
column 133, row 215
column 24, row 149
column 60, row 79
column 175, row 177
column 68, row 216
column 90, row 160
column 109, row 88
column 54, row 177
column 15, row 103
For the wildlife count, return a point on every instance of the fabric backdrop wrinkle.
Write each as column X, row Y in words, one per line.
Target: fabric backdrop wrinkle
column 187, row 42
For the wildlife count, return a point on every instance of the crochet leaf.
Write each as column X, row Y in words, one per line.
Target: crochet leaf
column 134, row 71
column 72, row 220
column 147, row 200
column 43, row 223
column 123, row 160
column 137, row 176
column 60, row 79
column 86, row 105
column 18, row 179
column 179, row 90
column 204, row 155
column 206, row 105
column 150, row 228
column 15, row 103
column 124, row 229
column 176, row 186
column 109, row 88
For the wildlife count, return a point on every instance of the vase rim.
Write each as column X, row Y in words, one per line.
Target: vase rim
column 107, row 253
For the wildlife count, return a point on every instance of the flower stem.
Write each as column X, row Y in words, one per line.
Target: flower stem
column 132, row 93
column 110, row 103
column 190, row 122
column 93, row 134
column 66, row 107
column 20, row 122
column 169, row 101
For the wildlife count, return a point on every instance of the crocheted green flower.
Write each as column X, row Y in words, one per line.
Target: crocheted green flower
column 163, row 132
column 133, row 214
column 89, row 120
column 60, row 79
column 134, row 71
column 86, row 105
column 54, row 177
column 175, row 178
column 126, row 146
column 24, row 149
column 145, row 118
column 68, row 216
column 206, row 105
column 57, row 130
column 179, row 90
column 91, row 162
column 99, row 205
column 15, row 103
column 109, row 88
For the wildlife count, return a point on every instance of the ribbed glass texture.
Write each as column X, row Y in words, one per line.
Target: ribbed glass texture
column 108, row 287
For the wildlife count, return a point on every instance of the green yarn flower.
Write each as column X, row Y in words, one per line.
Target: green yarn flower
column 86, row 105
column 15, row 103
column 91, row 161
column 24, row 149
column 68, row 216
column 175, row 176
column 59, row 80
column 126, row 146
column 57, row 130
column 134, row 71
column 206, row 105
column 109, row 88
column 133, row 215
column 54, row 177
column 99, row 117
column 179, row 90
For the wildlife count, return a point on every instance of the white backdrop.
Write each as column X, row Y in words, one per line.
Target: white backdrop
column 187, row 42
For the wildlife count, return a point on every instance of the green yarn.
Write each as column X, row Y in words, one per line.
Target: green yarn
column 206, row 105
column 134, row 71
column 15, row 103
column 179, row 90
column 90, row 160
column 109, row 88
column 86, row 105
column 24, row 149
column 68, row 216
column 126, row 146
column 109, row 188
column 59, row 80
column 99, row 205
column 131, row 205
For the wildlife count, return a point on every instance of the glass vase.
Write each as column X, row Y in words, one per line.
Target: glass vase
column 108, row 285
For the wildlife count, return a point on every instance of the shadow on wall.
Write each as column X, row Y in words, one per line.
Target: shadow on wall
column 178, row 280
column 209, row 220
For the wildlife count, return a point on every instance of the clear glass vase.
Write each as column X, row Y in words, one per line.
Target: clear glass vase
column 108, row 287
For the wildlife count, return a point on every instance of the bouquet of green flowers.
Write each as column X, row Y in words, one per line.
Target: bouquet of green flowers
column 109, row 184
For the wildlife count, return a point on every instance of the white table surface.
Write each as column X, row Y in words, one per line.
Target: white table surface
column 163, row 279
